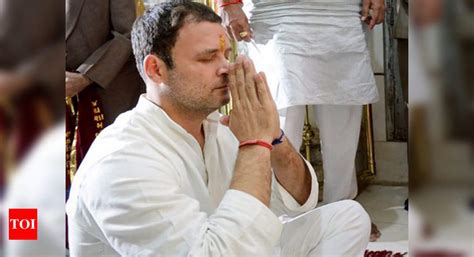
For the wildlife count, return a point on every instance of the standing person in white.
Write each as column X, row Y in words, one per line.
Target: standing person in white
column 168, row 179
column 319, row 56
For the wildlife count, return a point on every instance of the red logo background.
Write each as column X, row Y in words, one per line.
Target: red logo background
column 22, row 233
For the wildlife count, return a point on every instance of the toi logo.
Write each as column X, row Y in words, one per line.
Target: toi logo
column 23, row 224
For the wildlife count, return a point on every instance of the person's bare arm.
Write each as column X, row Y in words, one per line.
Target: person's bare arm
column 253, row 117
column 291, row 171
column 235, row 20
column 373, row 12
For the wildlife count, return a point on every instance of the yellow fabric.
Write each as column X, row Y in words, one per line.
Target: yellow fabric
column 140, row 7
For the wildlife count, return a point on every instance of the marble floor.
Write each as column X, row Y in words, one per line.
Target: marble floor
column 385, row 205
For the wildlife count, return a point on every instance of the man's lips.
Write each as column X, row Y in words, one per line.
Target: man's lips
column 223, row 87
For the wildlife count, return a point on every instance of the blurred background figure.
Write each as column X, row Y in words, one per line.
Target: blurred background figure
column 30, row 84
column 441, row 128
column 31, row 106
column 101, row 76
column 38, row 182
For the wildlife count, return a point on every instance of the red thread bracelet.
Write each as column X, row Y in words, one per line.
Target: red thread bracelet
column 230, row 3
column 256, row 142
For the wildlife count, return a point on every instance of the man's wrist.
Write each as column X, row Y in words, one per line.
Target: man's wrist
column 279, row 139
column 256, row 142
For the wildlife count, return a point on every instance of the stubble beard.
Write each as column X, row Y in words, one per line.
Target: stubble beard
column 186, row 96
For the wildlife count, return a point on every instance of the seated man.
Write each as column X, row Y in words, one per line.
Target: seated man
column 168, row 179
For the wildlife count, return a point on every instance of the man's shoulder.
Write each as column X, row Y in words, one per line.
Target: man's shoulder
column 128, row 142
column 115, row 164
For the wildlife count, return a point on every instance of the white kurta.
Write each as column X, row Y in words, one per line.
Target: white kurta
column 313, row 51
column 146, row 188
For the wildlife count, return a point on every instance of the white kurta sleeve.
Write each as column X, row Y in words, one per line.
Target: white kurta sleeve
column 142, row 210
column 283, row 202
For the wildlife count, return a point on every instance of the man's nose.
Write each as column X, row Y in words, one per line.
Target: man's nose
column 224, row 67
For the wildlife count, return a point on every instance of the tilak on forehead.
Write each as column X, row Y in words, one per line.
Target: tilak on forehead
column 222, row 43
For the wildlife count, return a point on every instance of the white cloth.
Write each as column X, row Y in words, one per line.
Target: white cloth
column 145, row 188
column 339, row 229
column 313, row 52
column 339, row 128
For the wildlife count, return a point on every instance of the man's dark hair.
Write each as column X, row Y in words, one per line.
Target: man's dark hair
column 157, row 29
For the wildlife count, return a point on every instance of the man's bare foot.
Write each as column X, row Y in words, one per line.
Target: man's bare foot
column 374, row 233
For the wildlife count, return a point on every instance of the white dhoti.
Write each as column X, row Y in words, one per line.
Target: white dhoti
column 335, row 230
column 314, row 52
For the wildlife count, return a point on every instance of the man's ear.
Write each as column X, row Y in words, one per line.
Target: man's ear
column 155, row 69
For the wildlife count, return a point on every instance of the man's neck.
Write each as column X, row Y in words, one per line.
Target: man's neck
column 190, row 120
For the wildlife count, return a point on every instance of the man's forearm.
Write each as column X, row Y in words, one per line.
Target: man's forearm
column 252, row 173
column 291, row 171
